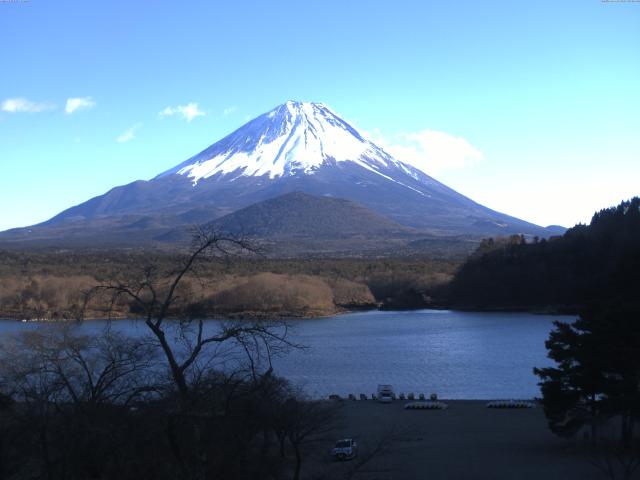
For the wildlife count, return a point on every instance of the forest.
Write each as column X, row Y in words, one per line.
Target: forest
column 590, row 264
column 51, row 285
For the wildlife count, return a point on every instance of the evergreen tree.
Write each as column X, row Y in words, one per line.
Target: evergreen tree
column 597, row 376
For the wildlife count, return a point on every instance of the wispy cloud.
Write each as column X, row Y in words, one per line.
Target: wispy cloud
column 20, row 105
column 229, row 110
column 430, row 150
column 129, row 134
column 188, row 111
column 78, row 103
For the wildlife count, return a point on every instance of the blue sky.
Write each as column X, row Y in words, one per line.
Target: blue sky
column 531, row 108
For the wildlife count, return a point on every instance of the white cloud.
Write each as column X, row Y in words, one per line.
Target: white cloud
column 188, row 111
column 430, row 150
column 20, row 104
column 129, row 134
column 78, row 103
column 229, row 110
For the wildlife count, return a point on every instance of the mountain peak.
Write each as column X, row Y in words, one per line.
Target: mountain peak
column 295, row 138
column 293, row 108
column 297, row 106
column 300, row 104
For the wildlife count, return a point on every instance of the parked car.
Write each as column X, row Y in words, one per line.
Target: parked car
column 345, row 449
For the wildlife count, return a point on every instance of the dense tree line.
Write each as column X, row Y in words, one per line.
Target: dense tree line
column 594, row 386
column 589, row 264
column 104, row 264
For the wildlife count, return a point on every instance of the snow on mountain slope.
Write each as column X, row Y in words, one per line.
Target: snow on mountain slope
column 294, row 138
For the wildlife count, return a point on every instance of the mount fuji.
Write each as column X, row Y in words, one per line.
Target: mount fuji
column 296, row 147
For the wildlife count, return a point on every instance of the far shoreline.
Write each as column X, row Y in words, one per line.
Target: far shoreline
column 285, row 316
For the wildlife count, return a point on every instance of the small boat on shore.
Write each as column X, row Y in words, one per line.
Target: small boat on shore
column 511, row 404
column 429, row 405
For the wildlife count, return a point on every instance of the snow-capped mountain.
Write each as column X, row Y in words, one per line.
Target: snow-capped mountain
column 297, row 146
column 293, row 139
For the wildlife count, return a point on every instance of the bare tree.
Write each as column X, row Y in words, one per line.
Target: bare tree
column 615, row 462
column 306, row 422
column 61, row 365
column 156, row 295
column 69, row 388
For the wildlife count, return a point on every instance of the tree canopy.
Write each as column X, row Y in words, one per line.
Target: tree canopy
column 589, row 264
column 597, row 376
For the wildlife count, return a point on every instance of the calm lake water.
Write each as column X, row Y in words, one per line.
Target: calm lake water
column 458, row 355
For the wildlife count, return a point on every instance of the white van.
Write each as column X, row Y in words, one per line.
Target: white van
column 385, row 393
column 345, row 449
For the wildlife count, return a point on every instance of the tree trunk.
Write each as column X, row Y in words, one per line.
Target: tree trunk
column 627, row 429
column 176, row 372
column 1, row 456
column 281, row 440
column 174, row 446
column 594, row 421
column 44, row 445
column 266, row 443
column 201, row 452
column 296, row 474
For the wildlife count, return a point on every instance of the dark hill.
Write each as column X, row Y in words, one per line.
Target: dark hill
column 299, row 224
column 298, row 214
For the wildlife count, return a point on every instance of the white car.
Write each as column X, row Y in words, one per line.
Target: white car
column 345, row 449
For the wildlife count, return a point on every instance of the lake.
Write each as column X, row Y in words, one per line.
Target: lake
column 458, row 355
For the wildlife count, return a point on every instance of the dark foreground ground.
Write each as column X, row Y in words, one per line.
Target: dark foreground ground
column 466, row 441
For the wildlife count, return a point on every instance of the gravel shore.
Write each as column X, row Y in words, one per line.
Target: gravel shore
column 465, row 441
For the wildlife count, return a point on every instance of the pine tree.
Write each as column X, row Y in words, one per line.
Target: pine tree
column 597, row 376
